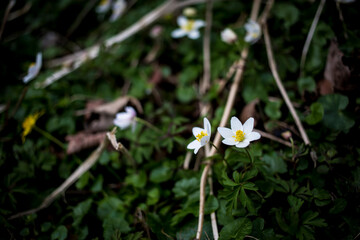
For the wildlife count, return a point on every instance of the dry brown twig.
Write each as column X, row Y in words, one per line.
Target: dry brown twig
column 84, row 167
column 229, row 104
column 6, row 15
column 73, row 61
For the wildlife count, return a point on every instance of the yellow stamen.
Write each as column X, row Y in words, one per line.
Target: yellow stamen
column 201, row 135
column 188, row 26
column 104, row 2
column 32, row 65
column 240, row 136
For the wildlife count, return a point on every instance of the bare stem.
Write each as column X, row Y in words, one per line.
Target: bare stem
column 283, row 92
column 229, row 104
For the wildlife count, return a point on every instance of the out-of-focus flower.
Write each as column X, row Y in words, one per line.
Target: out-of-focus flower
column 202, row 136
column 103, row 6
column 118, row 9
column 29, row 123
column 125, row 119
column 189, row 12
column 286, row 135
column 187, row 27
column 239, row 135
column 228, row 36
column 156, row 31
column 253, row 31
column 34, row 69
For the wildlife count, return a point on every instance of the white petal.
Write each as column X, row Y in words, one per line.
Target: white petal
column 198, row 24
column 28, row 77
column 204, row 140
column 225, row 132
column 229, row 141
column 242, row 144
column 197, row 149
column 252, row 136
column 131, row 111
column 181, row 20
column 194, row 34
column 178, row 33
column 122, row 124
column 248, row 125
column 207, row 126
column 38, row 61
column 248, row 38
column 236, row 124
column 123, row 116
column 194, row 144
column 196, row 131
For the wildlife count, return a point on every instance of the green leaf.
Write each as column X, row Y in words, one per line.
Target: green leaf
column 60, row 233
column 316, row 114
column 185, row 94
column 238, row 229
column 249, row 186
column 109, row 205
column 339, row 206
column 243, row 197
column 334, row 117
column 185, row 187
column 83, row 181
column 211, row 204
column 310, row 218
column 306, row 84
column 137, row 180
column 153, row 196
column 98, row 184
column 272, row 109
column 295, row 203
column 161, row 174
column 81, row 210
column 114, row 225
column 226, row 181
column 274, row 163
column 45, row 226
column 287, row 12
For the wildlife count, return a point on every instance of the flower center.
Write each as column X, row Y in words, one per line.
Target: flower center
column 32, row 65
column 188, row 26
column 201, row 135
column 240, row 136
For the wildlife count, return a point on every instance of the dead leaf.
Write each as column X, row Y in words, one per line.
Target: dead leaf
column 115, row 106
column 84, row 140
column 250, row 111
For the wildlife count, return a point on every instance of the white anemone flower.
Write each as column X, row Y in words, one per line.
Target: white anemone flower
column 103, row 6
column 228, row 36
column 34, row 69
column 239, row 135
column 187, row 27
column 202, row 136
column 118, row 9
column 125, row 119
column 253, row 31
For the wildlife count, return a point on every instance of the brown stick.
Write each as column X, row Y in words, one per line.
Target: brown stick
column 283, row 92
column 7, row 11
column 229, row 104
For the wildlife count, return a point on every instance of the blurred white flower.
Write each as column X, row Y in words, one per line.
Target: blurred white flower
column 118, row 9
column 125, row 119
column 202, row 136
column 187, row 27
column 189, row 12
column 239, row 135
column 34, row 68
column 253, row 31
column 228, row 36
column 103, row 6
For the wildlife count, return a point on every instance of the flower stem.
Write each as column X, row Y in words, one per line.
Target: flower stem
column 249, row 155
column 149, row 125
column 50, row 137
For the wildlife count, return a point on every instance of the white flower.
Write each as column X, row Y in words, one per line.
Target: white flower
column 253, row 31
column 239, row 135
column 228, row 36
column 103, row 6
column 187, row 27
column 125, row 119
column 34, row 69
column 189, row 12
column 118, row 9
column 202, row 136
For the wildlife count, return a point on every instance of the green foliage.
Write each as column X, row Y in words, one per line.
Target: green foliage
column 267, row 191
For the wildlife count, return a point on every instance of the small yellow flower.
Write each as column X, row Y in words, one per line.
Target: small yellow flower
column 29, row 123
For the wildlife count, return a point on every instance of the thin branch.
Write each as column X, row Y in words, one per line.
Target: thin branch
column 283, row 92
column 6, row 15
column 205, row 84
column 75, row 60
column 229, row 104
column 274, row 138
column 310, row 35
column 84, row 167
